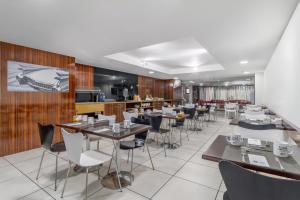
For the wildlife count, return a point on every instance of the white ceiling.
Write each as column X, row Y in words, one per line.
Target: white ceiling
column 230, row 30
column 172, row 58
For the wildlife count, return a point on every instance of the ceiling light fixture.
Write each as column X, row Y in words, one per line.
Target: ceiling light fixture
column 192, row 82
column 245, row 72
column 151, row 72
column 244, row 62
column 175, row 78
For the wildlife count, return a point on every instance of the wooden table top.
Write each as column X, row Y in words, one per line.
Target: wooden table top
column 104, row 130
column 221, row 150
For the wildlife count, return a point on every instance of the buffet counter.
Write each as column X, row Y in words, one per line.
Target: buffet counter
column 117, row 107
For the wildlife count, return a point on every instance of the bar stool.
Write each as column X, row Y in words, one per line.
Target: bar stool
column 46, row 133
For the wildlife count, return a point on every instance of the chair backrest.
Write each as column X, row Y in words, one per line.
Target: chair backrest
column 128, row 115
column 73, row 142
column 143, row 135
column 155, row 122
column 190, row 111
column 46, row 133
column 243, row 184
column 110, row 118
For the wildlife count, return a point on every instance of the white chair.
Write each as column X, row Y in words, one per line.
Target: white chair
column 128, row 115
column 230, row 108
column 212, row 112
column 87, row 159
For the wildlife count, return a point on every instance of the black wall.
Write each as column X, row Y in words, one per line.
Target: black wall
column 106, row 79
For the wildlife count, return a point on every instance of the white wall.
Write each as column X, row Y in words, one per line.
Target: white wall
column 282, row 75
column 259, row 88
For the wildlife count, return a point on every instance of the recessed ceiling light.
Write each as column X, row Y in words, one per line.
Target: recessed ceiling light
column 192, row 82
column 175, row 78
column 201, row 84
column 151, row 72
column 246, row 72
column 244, row 62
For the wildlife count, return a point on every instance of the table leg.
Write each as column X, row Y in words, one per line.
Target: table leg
column 117, row 179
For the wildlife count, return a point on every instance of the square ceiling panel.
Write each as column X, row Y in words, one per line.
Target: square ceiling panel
column 173, row 57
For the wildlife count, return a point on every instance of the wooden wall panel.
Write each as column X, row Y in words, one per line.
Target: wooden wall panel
column 155, row 87
column 20, row 111
column 84, row 76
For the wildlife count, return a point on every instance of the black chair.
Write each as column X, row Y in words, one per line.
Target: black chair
column 138, row 142
column 155, row 122
column 243, row 184
column 179, row 123
column 191, row 118
column 46, row 136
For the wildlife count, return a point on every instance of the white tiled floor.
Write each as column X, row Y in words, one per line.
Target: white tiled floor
column 183, row 174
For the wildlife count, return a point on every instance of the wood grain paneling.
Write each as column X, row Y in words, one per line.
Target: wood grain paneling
column 115, row 109
column 20, row 111
column 84, row 76
column 155, row 87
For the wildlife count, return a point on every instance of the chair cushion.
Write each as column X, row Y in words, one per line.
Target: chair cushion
column 93, row 158
column 132, row 144
column 58, row 147
column 125, row 145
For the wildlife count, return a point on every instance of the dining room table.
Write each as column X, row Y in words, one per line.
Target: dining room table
column 118, row 178
column 245, row 154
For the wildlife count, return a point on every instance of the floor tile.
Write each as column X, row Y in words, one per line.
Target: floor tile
column 75, row 188
column 107, row 194
column 17, row 187
column 3, row 162
column 201, row 174
column 39, row 195
column 24, row 156
column 9, row 172
column 166, row 164
column 179, row 189
column 148, row 181
column 197, row 158
column 180, row 153
column 31, row 165
column 47, row 174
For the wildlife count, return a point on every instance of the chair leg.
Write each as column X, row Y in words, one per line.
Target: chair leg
column 98, row 145
column 56, row 163
column 66, row 180
column 180, row 137
column 150, row 156
column 128, row 156
column 165, row 145
column 131, row 166
column 99, row 172
column 40, row 166
column 86, row 182
column 187, row 134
